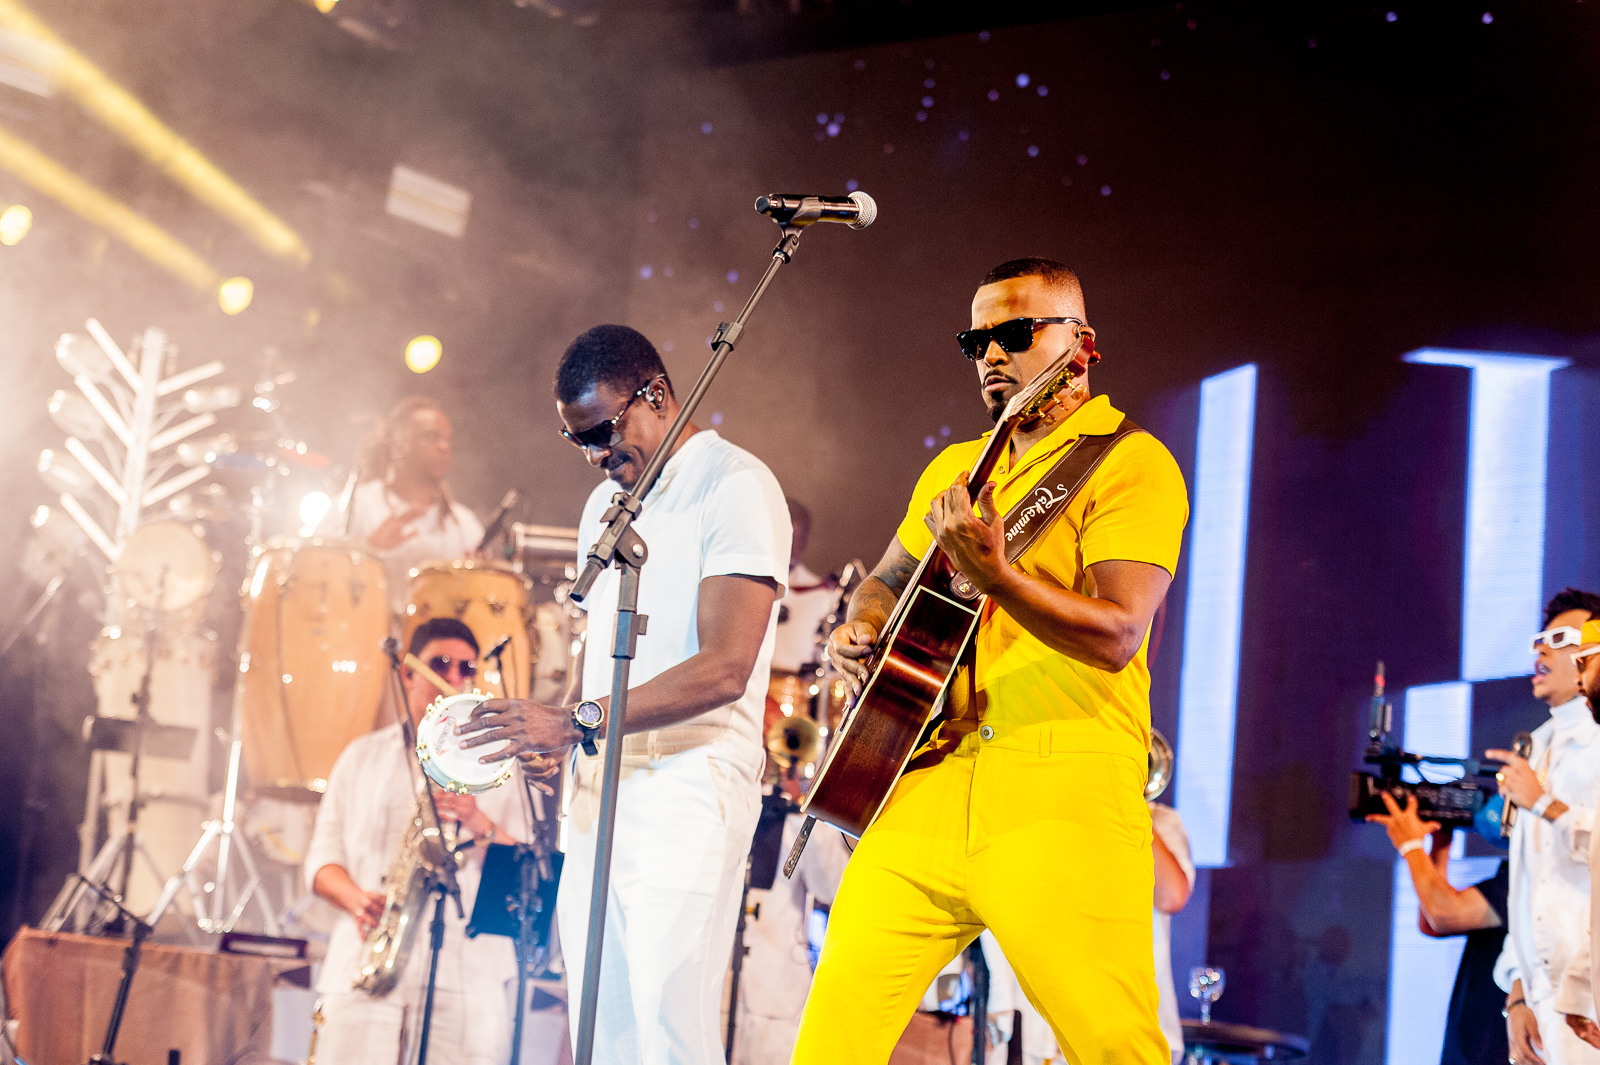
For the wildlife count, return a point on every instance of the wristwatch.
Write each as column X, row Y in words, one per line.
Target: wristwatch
column 589, row 716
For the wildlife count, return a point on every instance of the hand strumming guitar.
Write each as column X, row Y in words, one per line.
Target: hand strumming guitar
column 849, row 647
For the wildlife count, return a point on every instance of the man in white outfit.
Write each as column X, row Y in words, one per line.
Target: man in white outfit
column 402, row 511
column 718, row 535
column 776, row 973
column 361, row 824
column 1575, row 997
column 1554, row 789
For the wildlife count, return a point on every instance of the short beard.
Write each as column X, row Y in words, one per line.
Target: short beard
column 1594, row 707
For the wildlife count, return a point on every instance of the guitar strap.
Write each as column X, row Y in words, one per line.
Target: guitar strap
column 1028, row 520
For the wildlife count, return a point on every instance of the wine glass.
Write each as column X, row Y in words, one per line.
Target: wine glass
column 1206, row 983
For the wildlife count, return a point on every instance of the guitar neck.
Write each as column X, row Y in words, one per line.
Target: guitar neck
column 989, row 457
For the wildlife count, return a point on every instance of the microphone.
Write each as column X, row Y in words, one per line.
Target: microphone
column 500, row 645
column 858, row 210
column 498, row 522
column 391, row 647
column 1521, row 746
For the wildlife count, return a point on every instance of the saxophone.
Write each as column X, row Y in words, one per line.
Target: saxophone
column 407, row 884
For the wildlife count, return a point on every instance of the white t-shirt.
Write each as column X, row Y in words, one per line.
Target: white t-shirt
column 804, row 607
column 428, row 538
column 361, row 822
column 716, row 511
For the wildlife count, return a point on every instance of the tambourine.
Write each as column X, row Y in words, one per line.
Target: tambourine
column 442, row 757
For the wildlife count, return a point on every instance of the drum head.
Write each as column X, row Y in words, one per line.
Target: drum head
column 442, row 757
column 166, row 566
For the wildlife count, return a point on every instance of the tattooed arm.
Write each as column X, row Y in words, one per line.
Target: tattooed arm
column 870, row 606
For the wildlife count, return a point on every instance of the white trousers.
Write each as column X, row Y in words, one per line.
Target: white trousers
column 467, row 1029
column 677, row 871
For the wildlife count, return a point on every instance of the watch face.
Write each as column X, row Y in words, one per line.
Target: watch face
column 589, row 714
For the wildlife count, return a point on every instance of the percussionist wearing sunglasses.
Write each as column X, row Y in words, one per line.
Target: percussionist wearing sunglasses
column 361, row 826
column 1555, row 789
column 1025, row 812
column 719, row 534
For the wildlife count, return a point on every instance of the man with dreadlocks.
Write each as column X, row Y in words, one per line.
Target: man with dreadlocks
column 402, row 511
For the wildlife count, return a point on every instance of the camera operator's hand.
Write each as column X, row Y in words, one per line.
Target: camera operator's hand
column 1403, row 825
column 1522, row 1032
column 1518, row 781
column 1586, row 1029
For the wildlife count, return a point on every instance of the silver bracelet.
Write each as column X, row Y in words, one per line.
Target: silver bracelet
column 1411, row 845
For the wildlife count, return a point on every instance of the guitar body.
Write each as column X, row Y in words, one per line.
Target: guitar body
column 913, row 666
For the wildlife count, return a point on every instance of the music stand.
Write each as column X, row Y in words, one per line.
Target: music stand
column 516, row 898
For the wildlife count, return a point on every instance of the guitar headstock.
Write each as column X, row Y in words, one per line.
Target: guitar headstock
column 1031, row 401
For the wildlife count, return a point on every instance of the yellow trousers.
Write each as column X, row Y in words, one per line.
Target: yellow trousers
column 1050, row 849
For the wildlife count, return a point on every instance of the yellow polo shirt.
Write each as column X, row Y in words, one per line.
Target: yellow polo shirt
column 1133, row 508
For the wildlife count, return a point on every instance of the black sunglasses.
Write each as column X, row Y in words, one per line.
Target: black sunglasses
column 604, row 434
column 441, row 664
column 1013, row 336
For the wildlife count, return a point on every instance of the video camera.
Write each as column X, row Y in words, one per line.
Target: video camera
column 1453, row 804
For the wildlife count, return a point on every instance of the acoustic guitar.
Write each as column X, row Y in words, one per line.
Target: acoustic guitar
column 916, row 654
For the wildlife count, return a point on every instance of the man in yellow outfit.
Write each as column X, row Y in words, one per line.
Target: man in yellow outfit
column 1025, row 813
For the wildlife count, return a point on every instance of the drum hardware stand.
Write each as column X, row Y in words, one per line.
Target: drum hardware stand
column 100, row 871
column 142, row 719
column 225, row 833
column 441, row 871
column 618, row 545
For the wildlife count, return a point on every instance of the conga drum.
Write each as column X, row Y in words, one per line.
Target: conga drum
column 311, row 661
column 491, row 599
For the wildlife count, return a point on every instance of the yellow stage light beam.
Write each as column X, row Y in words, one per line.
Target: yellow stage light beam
column 137, row 231
column 152, row 138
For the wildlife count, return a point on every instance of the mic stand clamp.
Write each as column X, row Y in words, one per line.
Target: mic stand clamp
column 618, row 545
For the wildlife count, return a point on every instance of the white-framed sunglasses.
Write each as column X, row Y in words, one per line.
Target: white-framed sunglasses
column 1557, row 638
column 1579, row 655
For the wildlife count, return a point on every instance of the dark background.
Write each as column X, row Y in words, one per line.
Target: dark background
column 1317, row 190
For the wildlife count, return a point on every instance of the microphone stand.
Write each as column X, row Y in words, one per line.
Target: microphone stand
column 618, row 545
column 440, row 860
column 130, row 965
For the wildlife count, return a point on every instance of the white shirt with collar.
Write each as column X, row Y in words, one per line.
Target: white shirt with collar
column 430, row 537
column 1549, row 896
column 715, row 511
column 360, row 824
